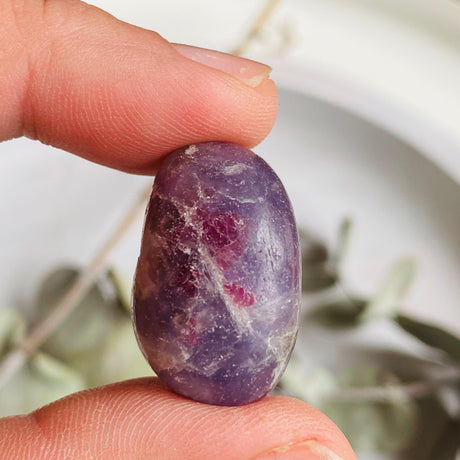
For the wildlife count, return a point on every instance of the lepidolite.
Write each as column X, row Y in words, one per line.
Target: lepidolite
column 217, row 286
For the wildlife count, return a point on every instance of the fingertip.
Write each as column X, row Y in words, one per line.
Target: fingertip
column 267, row 90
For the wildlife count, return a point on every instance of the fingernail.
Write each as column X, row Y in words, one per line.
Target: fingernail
column 252, row 73
column 307, row 450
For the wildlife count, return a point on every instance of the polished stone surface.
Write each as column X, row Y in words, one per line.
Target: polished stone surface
column 217, row 287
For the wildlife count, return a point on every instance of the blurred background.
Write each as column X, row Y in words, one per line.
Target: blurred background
column 367, row 143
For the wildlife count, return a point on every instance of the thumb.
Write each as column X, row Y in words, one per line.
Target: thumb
column 116, row 94
column 140, row 419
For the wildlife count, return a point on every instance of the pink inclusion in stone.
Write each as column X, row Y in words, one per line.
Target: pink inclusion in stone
column 217, row 287
column 239, row 296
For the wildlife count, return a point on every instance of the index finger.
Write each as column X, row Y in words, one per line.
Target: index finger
column 116, row 94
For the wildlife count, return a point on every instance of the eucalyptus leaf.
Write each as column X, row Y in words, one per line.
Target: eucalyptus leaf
column 447, row 446
column 344, row 241
column 432, row 423
column 382, row 427
column 386, row 300
column 360, row 387
column 341, row 313
column 431, row 335
column 12, row 329
column 449, row 397
column 123, row 288
column 370, row 425
column 314, row 280
column 309, row 386
column 317, row 272
column 42, row 380
column 314, row 252
column 117, row 358
column 87, row 326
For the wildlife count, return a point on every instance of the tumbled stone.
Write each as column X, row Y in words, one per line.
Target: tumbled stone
column 217, row 286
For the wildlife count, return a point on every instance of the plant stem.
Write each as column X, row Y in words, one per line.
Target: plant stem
column 392, row 392
column 257, row 26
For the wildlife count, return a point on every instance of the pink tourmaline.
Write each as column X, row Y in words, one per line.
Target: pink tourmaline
column 217, row 287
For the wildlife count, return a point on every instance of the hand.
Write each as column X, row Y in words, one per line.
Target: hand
column 74, row 77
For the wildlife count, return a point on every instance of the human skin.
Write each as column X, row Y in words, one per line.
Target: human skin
column 74, row 77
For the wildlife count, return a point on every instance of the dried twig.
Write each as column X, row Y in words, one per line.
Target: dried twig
column 257, row 27
column 393, row 391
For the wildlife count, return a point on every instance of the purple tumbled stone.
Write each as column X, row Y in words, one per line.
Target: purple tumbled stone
column 217, row 286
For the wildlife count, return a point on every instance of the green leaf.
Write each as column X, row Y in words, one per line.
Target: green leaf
column 361, row 394
column 384, row 425
column 42, row 380
column 314, row 252
column 314, row 280
column 117, row 358
column 447, row 446
column 12, row 329
column 342, row 313
column 123, row 288
column 433, row 336
column 344, row 241
column 386, row 301
column 432, row 423
column 308, row 386
column 87, row 326
column 370, row 425
column 317, row 273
